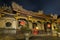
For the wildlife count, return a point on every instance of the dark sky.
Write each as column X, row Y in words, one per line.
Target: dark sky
column 48, row 6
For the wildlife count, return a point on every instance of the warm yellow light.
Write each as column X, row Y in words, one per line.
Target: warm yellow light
column 48, row 25
column 37, row 28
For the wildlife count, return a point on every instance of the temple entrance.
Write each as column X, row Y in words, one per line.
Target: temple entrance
column 47, row 27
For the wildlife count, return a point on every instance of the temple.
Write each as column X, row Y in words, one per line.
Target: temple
column 16, row 17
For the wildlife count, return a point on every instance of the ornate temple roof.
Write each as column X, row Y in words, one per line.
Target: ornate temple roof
column 20, row 10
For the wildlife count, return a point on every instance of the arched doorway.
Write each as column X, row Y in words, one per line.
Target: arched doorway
column 34, row 25
column 39, row 24
column 47, row 27
column 22, row 23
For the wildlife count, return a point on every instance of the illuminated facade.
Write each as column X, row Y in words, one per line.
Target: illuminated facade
column 19, row 17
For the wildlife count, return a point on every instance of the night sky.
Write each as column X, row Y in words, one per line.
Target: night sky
column 48, row 6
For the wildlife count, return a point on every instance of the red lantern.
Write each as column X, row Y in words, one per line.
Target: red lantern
column 22, row 22
column 49, row 25
column 35, row 31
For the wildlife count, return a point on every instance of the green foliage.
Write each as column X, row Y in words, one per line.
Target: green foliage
column 25, row 29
